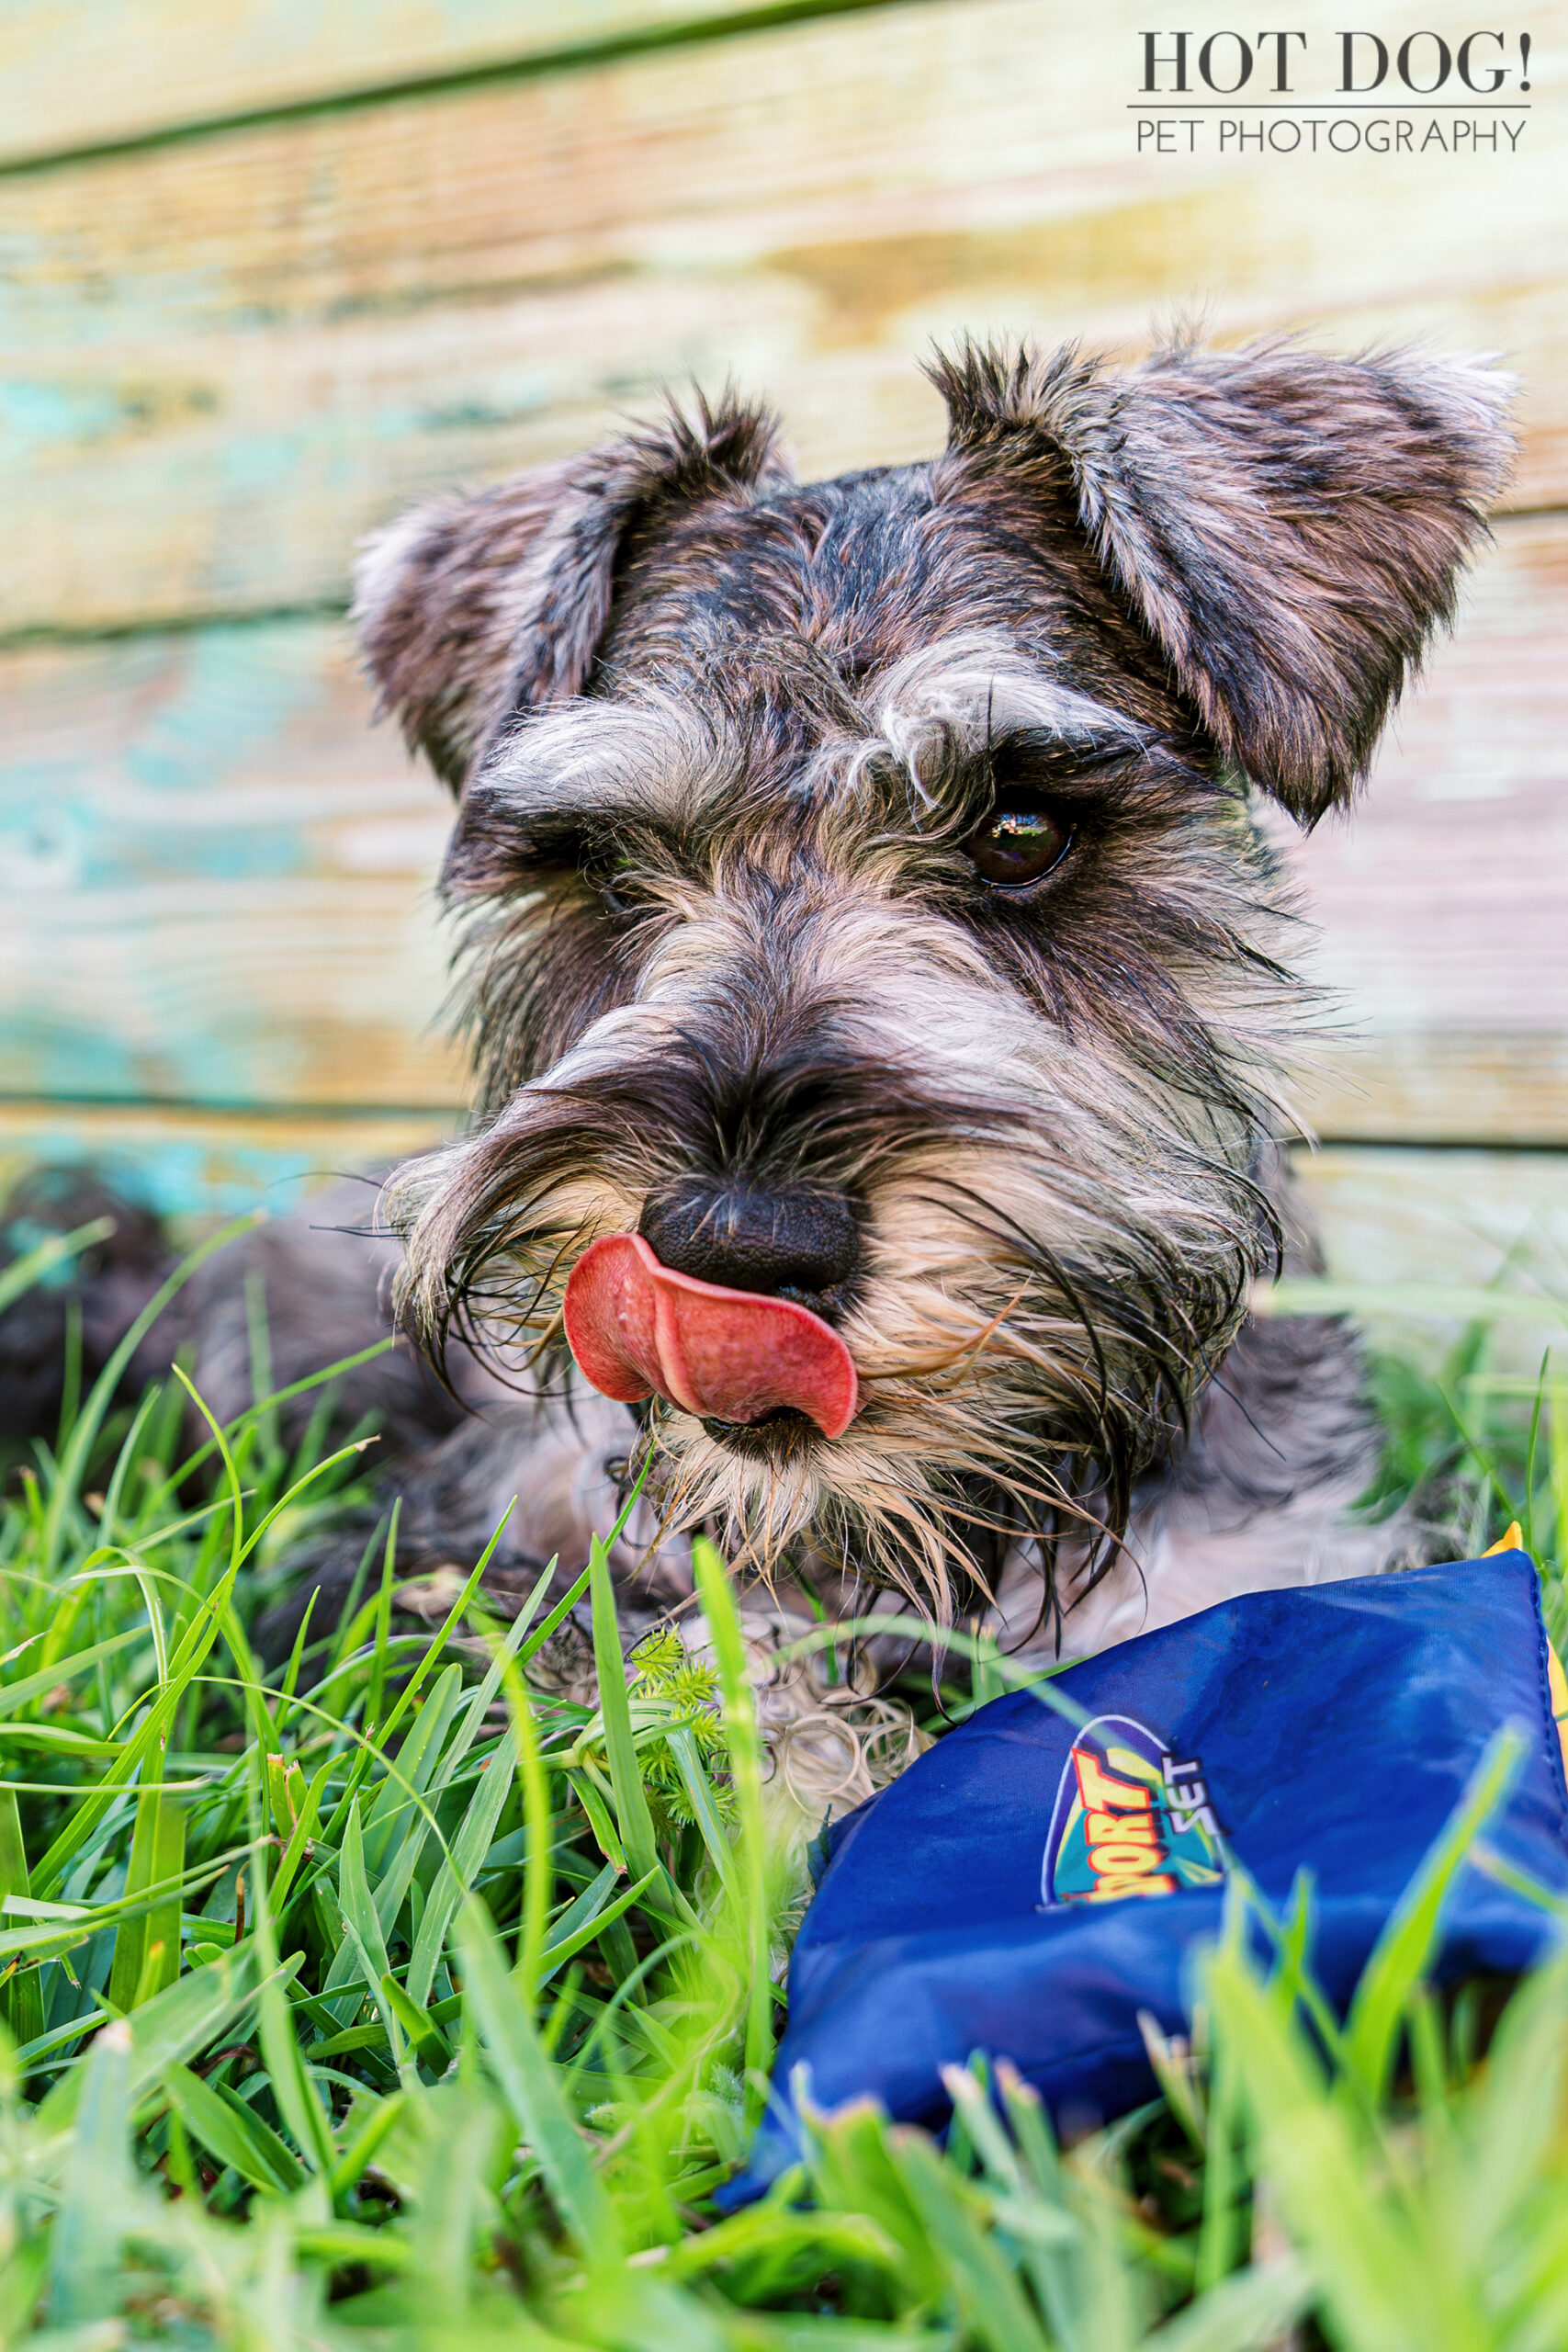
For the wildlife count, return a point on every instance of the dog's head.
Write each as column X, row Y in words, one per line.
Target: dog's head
column 873, row 968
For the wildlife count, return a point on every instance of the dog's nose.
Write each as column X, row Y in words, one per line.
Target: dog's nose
column 785, row 1242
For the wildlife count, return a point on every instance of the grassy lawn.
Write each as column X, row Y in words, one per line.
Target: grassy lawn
column 385, row 2000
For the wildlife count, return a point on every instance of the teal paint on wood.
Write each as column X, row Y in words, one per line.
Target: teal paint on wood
column 181, row 1177
column 237, row 354
column 215, row 876
column 185, row 1164
column 236, row 688
column 37, row 416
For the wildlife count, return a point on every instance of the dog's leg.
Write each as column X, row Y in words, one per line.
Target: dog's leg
column 275, row 1306
column 280, row 1305
column 101, row 1292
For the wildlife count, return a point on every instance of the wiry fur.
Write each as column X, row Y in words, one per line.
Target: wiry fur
column 722, row 742
column 1047, row 1113
column 1045, row 1254
column 1288, row 526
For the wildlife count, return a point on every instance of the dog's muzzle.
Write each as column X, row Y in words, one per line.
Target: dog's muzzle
column 638, row 1329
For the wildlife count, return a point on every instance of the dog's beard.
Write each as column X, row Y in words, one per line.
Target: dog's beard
column 1009, row 1397
column 1057, row 1247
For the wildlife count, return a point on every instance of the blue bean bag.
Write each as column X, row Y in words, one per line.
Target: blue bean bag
column 1041, row 1876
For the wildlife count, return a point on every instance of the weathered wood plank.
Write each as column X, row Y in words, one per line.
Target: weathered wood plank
column 1489, row 1085
column 1441, row 899
column 1423, row 1217
column 245, row 349
column 1408, row 1215
column 1400, row 1215
column 187, row 1162
column 70, row 78
column 214, row 879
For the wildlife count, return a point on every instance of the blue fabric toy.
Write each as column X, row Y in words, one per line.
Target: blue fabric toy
column 1033, row 1882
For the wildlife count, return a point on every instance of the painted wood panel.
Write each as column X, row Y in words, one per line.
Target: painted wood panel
column 70, row 78
column 189, row 1163
column 1459, row 1216
column 215, row 876
column 244, row 349
column 1441, row 898
column 1423, row 1219
column 1410, row 1215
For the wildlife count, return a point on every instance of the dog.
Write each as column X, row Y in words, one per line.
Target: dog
column 879, row 986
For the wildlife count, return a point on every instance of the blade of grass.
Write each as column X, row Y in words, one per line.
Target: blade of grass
column 363, row 1927
column 366, row 2145
column 682, row 1746
column 1258, row 2307
column 38, row 1686
column 171, row 2028
column 299, row 1836
column 988, row 2292
column 378, row 1740
column 457, row 1872
column 528, row 2083
column 291, row 2087
column 570, row 1939
column 24, row 2005
column 235, row 1430
column 746, row 1770
column 83, row 2254
column 228, row 2128
column 290, row 1682
column 599, row 1821
column 147, row 1949
column 538, row 1877
column 1402, row 1950
column 423, row 2034
column 37, row 1263
column 383, row 1626
column 394, row 1825
column 89, row 1420
column 1377, row 2290
column 632, row 1817
column 1447, row 1302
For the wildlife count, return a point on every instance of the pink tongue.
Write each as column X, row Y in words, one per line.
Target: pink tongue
column 636, row 1328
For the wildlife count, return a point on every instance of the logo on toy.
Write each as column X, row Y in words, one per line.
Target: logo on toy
column 1131, row 1817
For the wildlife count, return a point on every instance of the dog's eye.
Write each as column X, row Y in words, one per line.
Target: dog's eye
column 614, row 878
column 1018, row 843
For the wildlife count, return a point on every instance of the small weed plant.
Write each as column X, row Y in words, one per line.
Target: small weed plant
column 385, row 1999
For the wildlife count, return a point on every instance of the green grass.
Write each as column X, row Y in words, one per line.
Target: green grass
column 386, row 2001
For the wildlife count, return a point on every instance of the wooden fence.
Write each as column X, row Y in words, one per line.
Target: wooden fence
column 268, row 272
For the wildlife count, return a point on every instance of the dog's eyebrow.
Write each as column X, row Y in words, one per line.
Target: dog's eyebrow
column 649, row 757
column 654, row 758
column 985, row 688
column 971, row 693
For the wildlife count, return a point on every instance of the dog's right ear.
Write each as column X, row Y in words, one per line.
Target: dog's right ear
column 472, row 607
column 1288, row 528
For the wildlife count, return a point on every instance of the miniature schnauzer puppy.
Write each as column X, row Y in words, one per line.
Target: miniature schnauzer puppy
column 880, row 987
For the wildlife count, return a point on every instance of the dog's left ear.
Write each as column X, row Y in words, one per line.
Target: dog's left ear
column 473, row 607
column 1288, row 527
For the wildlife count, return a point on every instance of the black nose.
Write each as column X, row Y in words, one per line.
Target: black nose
column 786, row 1242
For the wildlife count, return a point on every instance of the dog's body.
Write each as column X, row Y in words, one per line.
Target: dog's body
column 879, row 986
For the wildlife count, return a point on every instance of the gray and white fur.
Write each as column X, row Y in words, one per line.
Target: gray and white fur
column 742, row 973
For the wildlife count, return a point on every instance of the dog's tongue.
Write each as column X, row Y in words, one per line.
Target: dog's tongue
column 636, row 1327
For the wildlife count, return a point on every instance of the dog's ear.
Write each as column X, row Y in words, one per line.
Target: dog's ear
column 473, row 606
column 1288, row 527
